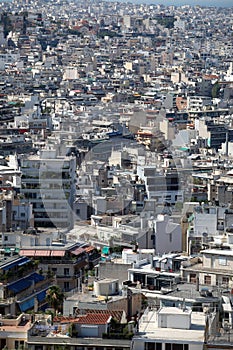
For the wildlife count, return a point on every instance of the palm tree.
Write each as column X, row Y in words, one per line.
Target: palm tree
column 55, row 297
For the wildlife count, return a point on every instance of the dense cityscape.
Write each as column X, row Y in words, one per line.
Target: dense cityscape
column 116, row 176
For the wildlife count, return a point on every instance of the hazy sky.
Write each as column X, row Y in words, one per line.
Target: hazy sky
column 219, row 3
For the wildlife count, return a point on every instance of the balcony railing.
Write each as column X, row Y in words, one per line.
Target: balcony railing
column 34, row 290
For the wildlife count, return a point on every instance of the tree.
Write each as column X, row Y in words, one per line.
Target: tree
column 216, row 90
column 54, row 298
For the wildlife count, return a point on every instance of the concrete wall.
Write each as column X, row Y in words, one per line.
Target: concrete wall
column 219, row 262
column 168, row 235
column 113, row 270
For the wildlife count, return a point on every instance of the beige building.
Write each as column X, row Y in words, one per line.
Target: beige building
column 13, row 332
column 216, row 268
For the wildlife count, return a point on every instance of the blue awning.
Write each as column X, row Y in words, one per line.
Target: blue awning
column 36, row 277
column 26, row 305
column 20, row 285
column 41, row 296
column 14, row 263
column 24, row 262
column 26, row 282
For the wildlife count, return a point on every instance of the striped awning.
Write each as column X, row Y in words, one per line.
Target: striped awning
column 28, row 252
column 58, row 252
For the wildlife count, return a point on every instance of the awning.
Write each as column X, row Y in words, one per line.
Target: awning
column 185, row 149
column 57, row 252
column 105, row 250
column 42, row 253
column 29, row 252
column 20, row 285
column 41, row 296
column 89, row 249
column 25, row 282
column 25, row 261
column 78, row 251
column 26, row 305
column 17, row 262
column 191, row 217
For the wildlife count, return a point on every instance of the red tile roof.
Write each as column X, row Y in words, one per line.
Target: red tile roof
column 116, row 314
column 94, row 319
column 89, row 318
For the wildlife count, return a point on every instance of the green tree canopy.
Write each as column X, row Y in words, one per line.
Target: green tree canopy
column 55, row 297
column 215, row 90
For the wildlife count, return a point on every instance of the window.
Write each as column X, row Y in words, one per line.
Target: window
column 170, row 346
column 225, row 280
column 222, row 261
column 66, row 286
column 6, row 238
column 38, row 347
column 19, row 344
column 207, row 280
column 153, row 346
column 66, row 271
column 150, row 346
column 177, row 346
column 193, row 278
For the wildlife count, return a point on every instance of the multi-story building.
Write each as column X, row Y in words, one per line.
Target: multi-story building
column 14, row 331
column 214, row 133
column 205, row 223
column 67, row 263
column 161, row 186
column 21, row 288
column 48, row 182
column 214, row 270
column 197, row 103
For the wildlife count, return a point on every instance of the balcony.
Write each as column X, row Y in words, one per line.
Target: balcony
column 32, row 291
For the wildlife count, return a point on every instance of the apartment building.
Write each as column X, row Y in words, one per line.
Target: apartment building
column 48, row 182
column 163, row 186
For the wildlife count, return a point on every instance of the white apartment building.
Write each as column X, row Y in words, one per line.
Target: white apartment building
column 162, row 186
column 197, row 103
column 48, row 182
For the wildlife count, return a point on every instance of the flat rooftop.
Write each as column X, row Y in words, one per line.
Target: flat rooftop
column 183, row 291
column 148, row 328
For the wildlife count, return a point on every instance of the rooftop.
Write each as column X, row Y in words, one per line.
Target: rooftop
column 148, row 327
